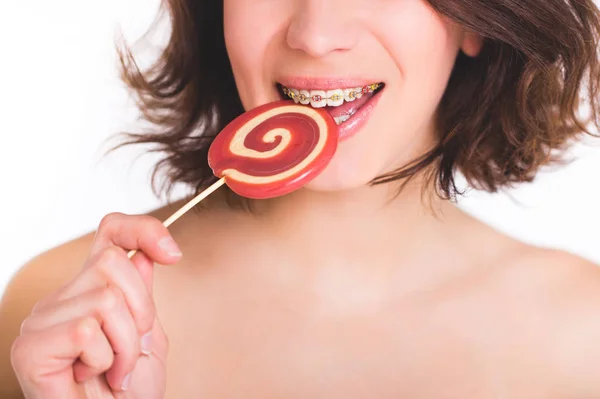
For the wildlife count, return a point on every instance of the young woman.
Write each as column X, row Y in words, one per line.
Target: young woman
column 366, row 283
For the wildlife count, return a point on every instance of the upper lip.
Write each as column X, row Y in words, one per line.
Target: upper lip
column 324, row 83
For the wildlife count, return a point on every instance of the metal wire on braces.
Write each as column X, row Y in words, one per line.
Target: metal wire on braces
column 335, row 97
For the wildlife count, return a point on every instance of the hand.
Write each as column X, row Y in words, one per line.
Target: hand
column 99, row 336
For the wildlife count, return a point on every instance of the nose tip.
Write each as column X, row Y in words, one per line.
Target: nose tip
column 318, row 28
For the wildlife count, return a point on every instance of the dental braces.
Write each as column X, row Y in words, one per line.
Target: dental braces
column 335, row 97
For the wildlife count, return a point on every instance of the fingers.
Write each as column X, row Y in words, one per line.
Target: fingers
column 112, row 268
column 141, row 232
column 108, row 307
column 95, row 327
column 47, row 368
column 94, row 359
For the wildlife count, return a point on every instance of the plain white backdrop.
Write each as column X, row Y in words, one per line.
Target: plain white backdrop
column 61, row 99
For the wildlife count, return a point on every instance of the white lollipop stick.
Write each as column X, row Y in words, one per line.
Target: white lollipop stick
column 192, row 203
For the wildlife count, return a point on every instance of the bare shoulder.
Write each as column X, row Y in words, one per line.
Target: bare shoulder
column 38, row 278
column 42, row 275
column 561, row 295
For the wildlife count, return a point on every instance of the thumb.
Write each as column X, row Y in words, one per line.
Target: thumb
column 160, row 342
column 148, row 380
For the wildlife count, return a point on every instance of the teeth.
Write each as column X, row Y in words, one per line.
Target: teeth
column 358, row 92
column 294, row 95
column 318, row 98
column 341, row 119
column 335, row 98
column 304, row 97
column 331, row 98
column 349, row 95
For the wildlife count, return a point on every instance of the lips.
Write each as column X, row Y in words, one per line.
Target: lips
column 343, row 99
column 349, row 108
column 353, row 125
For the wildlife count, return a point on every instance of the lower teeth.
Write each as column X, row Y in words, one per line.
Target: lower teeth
column 341, row 119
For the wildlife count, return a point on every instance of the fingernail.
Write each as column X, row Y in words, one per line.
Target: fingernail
column 146, row 343
column 126, row 382
column 169, row 246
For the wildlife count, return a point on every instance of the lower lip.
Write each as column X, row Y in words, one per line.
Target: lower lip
column 352, row 126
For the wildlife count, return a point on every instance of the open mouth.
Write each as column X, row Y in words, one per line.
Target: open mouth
column 342, row 104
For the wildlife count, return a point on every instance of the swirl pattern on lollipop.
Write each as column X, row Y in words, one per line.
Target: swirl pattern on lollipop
column 274, row 149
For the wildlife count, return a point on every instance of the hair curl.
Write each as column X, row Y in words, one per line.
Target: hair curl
column 503, row 115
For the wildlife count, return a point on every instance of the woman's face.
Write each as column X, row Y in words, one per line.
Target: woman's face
column 328, row 47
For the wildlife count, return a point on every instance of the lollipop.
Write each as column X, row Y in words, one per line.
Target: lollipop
column 273, row 149
column 269, row 151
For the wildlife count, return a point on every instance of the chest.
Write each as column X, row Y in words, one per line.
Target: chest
column 245, row 352
column 245, row 336
column 300, row 360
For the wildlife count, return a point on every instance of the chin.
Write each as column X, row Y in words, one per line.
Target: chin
column 339, row 176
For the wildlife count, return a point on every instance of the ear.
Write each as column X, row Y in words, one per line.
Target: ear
column 471, row 43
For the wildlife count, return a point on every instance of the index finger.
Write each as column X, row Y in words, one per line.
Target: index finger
column 136, row 232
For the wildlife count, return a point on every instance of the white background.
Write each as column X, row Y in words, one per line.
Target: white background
column 60, row 100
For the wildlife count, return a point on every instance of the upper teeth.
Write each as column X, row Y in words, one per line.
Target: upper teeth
column 332, row 98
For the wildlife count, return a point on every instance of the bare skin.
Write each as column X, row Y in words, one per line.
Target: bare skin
column 333, row 291
column 314, row 304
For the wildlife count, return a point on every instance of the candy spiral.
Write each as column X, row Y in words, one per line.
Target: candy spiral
column 273, row 149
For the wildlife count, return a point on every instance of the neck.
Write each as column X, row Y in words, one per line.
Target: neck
column 368, row 202
column 367, row 219
column 367, row 241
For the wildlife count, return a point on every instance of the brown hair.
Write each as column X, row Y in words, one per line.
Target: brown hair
column 503, row 115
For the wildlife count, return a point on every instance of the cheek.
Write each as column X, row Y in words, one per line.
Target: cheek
column 420, row 49
column 422, row 44
column 423, row 48
column 249, row 43
column 237, row 24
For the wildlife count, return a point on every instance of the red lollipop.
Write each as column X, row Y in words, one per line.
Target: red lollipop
column 269, row 151
column 273, row 149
